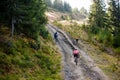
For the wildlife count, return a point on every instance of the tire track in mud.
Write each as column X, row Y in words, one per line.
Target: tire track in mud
column 86, row 69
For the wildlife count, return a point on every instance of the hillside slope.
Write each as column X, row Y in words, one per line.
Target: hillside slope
column 65, row 17
column 21, row 58
column 104, row 57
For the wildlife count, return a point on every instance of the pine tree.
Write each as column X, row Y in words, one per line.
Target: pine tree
column 8, row 14
column 114, row 15
column 97, row 15
column 27, row 16
column 83, row 11
column 48, row 3
column 58, row 4
column 67, row 7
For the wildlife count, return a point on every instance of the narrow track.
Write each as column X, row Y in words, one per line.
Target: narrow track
column 85, row 70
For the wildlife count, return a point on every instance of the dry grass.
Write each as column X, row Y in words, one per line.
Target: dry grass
column 54, row 16
column 108, row 63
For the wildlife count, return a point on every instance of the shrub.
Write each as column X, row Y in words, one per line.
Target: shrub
column 116, row 42
column 35, row 46
column 57, row 24
column 10, row 51
column 95, row 29
column 10, row 77
column 117, row 50
column 43, row 32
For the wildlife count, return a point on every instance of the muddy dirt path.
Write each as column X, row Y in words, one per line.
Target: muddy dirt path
column 86, row 68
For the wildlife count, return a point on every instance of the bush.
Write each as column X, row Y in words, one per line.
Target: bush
column 103, row 36
column 95, row 29
column 117, row 50
column 63, row 17
column 57, row 24
column 5, row 63
column 10, row 51
column 44, row 33
column 10, row 77
column 35, row 46
column 116, row 42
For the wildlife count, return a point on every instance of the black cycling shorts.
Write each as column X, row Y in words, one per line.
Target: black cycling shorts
column 76, row 55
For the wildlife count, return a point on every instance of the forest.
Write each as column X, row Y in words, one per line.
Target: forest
column 104, row 20
column 64, row 7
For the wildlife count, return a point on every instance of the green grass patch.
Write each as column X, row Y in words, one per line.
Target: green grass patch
column 20, row 60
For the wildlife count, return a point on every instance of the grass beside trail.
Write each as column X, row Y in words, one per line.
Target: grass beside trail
column 21, row 59
column 73, row 29
column 109, row 63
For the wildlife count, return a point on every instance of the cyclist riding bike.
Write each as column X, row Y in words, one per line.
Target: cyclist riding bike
column 76, row 55
column 56, row 36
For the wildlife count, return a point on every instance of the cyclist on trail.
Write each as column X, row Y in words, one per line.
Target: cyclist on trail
column 77, row 41
column 56, row 35
column 76, row 53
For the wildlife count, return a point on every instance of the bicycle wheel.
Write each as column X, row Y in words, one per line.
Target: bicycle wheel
column 76, row 60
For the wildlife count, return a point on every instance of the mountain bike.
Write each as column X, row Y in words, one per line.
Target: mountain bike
column 56, row 39
column 76, row 60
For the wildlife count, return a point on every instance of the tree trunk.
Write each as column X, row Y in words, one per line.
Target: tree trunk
column 13, row 21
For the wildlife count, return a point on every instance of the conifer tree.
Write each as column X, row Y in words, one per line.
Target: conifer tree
column 48, row 3
column 58, row 4
column 26, row 15
column 67, row 7
column 97, row 15
column 114, row 15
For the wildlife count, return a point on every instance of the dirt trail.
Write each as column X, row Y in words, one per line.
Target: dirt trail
column 86, row 68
